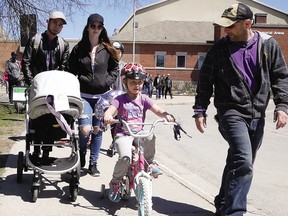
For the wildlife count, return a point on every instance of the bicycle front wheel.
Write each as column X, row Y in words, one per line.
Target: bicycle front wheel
column 144, row 196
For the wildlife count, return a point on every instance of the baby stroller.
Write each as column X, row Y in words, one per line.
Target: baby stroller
column 53, row 104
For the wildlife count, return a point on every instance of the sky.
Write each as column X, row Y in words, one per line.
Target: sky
column 114, row 18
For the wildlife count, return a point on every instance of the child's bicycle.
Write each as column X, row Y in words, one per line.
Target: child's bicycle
column 139, row 176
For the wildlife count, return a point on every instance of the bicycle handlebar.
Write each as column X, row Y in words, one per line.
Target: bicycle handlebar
column 153, row 125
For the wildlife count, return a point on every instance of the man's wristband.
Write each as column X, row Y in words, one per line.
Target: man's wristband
column 199, row 113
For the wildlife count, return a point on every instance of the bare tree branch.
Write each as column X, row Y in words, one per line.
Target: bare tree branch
column 12, row 10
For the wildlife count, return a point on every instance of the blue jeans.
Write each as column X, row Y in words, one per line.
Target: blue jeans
column 86, row 118
column 244, row 137
column 150, row 90
column 158, row 93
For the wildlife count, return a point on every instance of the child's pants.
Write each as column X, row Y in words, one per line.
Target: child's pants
column 123, row 146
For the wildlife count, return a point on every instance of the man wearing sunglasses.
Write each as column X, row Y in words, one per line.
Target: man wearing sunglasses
column 241, row 68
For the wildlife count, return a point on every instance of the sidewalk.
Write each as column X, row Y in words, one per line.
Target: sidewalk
column 15, row 199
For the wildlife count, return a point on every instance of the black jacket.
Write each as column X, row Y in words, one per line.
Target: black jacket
column 34, row 58
column 104, row 75
column 232, row 95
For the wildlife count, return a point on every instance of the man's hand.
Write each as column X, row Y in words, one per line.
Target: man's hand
column 280, row 117
column 200, row 123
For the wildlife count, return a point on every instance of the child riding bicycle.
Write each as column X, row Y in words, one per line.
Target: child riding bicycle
column 132, row 107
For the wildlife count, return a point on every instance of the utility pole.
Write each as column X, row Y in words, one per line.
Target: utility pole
column 134, row 33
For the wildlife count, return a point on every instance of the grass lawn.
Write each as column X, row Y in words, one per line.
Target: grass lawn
column 12, row 125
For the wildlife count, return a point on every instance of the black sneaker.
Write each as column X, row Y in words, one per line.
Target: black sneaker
column 82, row 158
column 93, row 171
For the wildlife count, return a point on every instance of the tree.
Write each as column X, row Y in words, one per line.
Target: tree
column 11, row 12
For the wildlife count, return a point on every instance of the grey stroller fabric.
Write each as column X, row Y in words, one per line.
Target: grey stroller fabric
column 63, row 86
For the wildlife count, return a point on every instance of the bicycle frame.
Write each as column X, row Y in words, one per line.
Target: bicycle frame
column 139, row 178
column 137, row 167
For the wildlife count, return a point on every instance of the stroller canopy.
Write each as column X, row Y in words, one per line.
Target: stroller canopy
column 58, row 84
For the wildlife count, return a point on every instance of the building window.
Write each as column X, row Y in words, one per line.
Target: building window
column 181, row 59
column 160, row 59
column 201, row 58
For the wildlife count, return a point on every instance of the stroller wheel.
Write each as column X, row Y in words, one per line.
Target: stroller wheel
column 20, row 165
column 74, row 193
column 73, row 187
column 35, row 193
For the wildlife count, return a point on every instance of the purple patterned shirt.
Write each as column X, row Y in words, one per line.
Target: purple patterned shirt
column 131, row 111
column 244, row 55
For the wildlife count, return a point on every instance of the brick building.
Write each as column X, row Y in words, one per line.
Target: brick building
column 173, row 36
column 6, row 48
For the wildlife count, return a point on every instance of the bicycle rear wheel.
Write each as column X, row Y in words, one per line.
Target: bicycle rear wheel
column 144, row 196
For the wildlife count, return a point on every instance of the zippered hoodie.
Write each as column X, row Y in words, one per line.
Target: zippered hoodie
column 232, row 95
column 96, row 81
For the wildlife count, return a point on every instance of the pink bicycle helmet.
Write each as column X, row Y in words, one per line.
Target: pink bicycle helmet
column 133, row 71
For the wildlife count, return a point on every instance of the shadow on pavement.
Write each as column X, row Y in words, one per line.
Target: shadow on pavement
column 104, row 204
column 4, row 157
column 163, row 206
column 51, row 189
column 10, row 187
column 17, row 138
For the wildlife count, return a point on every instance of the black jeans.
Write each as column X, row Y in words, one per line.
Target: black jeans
column 168, row 90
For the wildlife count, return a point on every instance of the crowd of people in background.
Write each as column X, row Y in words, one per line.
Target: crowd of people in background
column 162, row 84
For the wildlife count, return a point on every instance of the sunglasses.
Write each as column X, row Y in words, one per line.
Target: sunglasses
column 93, row 26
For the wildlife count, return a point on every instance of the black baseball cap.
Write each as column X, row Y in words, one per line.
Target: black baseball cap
column 234, row 13
column 95, row 17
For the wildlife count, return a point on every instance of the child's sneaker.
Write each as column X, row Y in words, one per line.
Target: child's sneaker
column 155, row 170
column 114, row 192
